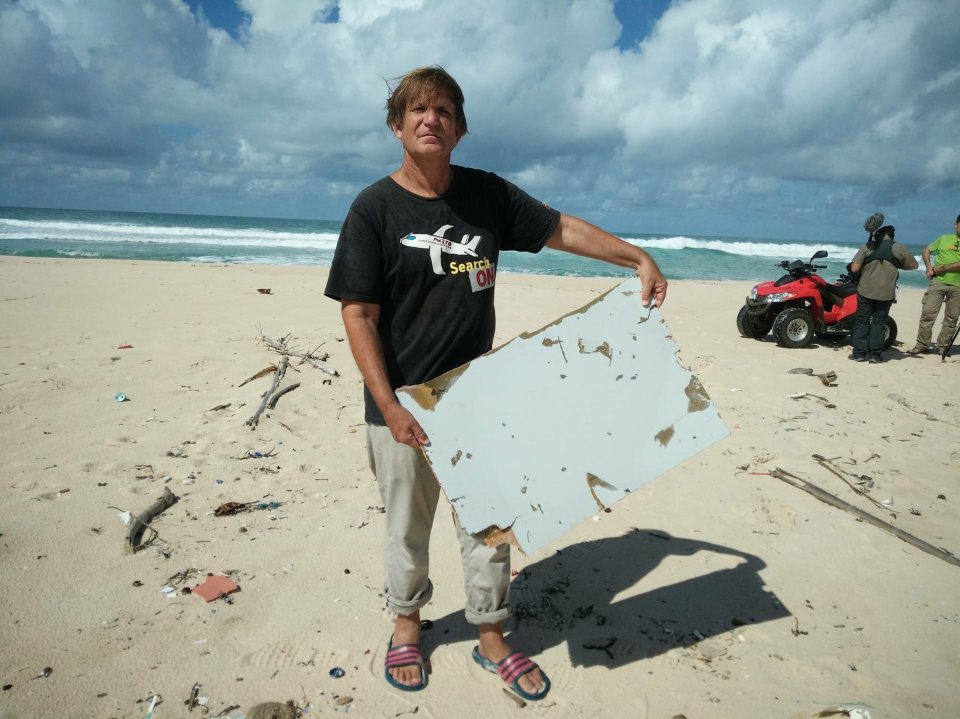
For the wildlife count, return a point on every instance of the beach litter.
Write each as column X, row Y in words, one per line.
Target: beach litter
column 121, row 397
column 214, row 587
column 337, row 672
column 228, row 508
column 829, row 378
column 196, row 699
column 153, row 705
column 257, row 454
column 140, row 523
column 801, row 395
column 854, row 711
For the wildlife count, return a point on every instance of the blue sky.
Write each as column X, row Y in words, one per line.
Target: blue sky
column 788, row 119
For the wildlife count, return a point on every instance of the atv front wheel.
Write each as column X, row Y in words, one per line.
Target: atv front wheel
column 793, row 328
column 753, row 326
column 891, row 333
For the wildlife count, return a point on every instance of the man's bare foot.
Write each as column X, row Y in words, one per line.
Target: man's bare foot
column 406, row 630
column 495, row 649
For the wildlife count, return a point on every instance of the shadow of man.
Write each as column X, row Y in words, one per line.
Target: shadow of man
column 587, row 595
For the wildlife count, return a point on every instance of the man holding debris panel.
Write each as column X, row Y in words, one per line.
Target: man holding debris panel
column 415, row 270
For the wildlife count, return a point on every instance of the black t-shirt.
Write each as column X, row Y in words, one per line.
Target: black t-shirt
column 430, row 263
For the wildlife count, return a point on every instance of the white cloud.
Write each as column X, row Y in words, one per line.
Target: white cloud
column 726, row 101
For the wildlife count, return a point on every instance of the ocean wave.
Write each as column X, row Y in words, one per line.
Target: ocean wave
column 745, row 248
column 119, row 232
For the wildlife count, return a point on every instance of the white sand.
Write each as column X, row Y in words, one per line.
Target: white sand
column 740, row 596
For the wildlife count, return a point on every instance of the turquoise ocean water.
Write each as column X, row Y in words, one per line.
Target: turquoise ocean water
column 32, row 232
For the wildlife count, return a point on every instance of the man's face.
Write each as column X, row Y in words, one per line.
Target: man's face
column 429, row 127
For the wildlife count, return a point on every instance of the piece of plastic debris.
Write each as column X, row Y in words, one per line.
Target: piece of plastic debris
column 124, row 517
column 214, row 587
column 854, row 711
column 120, row 397
column 153, row 704
column 169, row 591
column 125, row 347
column 337, row 672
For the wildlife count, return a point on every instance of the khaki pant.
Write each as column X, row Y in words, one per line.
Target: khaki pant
column 410, row 493
column 939, row 293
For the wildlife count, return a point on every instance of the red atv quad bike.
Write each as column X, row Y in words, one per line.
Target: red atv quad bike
column 802, row 304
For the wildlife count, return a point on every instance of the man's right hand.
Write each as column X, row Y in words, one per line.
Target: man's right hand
column 404, row 428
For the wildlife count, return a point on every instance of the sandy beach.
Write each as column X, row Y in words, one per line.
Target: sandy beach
column 717, row 591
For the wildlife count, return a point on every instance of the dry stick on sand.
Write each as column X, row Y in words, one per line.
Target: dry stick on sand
column 833, row 501
column 272, row 395
column 262, row 373
column 278, row 375
column 308, row 357
column 279, row 393
column 828, row 465
column 141, row 522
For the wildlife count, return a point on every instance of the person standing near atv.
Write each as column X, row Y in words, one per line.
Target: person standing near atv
column 879, row 263
column 944, row 289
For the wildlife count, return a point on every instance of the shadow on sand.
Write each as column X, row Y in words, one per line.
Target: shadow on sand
column 570, row 597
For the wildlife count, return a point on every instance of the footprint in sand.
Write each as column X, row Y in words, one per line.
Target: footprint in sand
column 284, row 655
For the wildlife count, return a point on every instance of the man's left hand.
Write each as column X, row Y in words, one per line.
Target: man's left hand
column 654, row 285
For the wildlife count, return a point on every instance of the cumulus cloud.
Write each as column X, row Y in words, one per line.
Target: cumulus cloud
column 725, row 108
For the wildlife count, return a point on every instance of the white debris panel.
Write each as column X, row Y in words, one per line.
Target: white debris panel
column 561, row 423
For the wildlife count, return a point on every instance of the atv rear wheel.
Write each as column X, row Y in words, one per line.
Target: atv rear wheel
column 891, row 330
column 753, row 326
column 793, row 328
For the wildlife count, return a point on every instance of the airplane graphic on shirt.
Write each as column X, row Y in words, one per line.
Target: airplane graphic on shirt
column 437, row 244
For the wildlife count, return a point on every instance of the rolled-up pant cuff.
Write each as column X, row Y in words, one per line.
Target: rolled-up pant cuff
column 404, row 607
column 500, row 615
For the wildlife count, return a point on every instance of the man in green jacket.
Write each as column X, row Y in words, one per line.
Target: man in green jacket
column 944, row 275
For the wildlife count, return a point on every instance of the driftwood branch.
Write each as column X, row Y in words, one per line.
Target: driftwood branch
column 271, row 396
column 828, row 465
column 140, row 523
column 279, row 393
column 310, row 358
column 833, row 501
column 265, row 398
column 262, row 373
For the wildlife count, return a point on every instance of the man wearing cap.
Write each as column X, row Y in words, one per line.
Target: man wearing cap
column 944, row 289
column 879, row 263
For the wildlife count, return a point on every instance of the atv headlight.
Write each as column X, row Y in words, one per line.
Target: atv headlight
column 777, row 297
column 753, row 293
